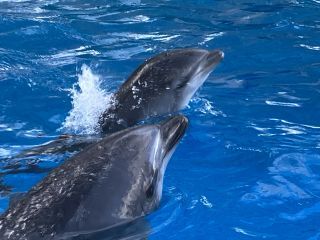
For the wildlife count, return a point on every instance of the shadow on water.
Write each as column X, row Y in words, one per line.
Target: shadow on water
column 64, row 144
column 17, row 168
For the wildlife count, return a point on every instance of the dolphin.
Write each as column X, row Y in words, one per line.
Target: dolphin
column 110, row 183
column 161, row 85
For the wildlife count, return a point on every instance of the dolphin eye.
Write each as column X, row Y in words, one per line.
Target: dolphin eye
column 151, row 188
column 182, row 84
column 150, row 191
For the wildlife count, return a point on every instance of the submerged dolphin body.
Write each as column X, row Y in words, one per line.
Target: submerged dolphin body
column 109, row 183
column 163, row 84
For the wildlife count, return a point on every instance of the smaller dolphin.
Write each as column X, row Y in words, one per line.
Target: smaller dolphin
column 162, row 85
column 111, row 182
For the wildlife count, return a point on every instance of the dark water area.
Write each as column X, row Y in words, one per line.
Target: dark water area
column 249, row 165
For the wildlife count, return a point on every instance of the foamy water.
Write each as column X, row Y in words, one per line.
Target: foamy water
column 89, row 100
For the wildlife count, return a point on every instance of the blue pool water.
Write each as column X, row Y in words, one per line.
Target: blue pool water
column 249, row 166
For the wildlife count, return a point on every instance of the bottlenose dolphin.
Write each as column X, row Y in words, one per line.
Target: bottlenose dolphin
column 111, row 182
column 163, row 84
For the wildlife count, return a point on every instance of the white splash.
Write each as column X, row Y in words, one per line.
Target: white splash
column 89, row 100
column 206, row 202
column 204, row 106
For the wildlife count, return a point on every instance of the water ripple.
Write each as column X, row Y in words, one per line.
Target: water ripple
column 315, row 48
column 293, row 177
column 67, row 57
column 282, row 104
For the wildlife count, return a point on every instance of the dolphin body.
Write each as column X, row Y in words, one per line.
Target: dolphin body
column 110, row 183
column 162, row 85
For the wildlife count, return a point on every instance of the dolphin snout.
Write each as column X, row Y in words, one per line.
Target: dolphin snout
column 213, row 58
column 172, row 130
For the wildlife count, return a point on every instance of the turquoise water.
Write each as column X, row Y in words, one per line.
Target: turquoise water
column 249, row 166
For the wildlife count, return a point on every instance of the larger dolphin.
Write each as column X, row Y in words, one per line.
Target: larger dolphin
column 109, row 183
column 163, row 84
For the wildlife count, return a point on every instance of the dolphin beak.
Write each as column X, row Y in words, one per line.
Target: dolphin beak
column 213, row 58
column 172, row 130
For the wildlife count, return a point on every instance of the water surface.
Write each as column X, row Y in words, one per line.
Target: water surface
column 249, row 166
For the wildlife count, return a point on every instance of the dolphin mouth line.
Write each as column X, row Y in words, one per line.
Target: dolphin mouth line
column 178, row 136
column 212, row 59
column 209, row 62
column 177, row 131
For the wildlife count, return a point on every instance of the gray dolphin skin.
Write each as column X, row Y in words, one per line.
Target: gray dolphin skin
column 111, row 182
column 163, row 84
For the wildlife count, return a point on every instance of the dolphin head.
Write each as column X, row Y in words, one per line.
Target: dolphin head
column 162, row 84
column 185, row 66
column 139, row 161
column 178, row 73
column 190, row 68
column 132, row 163
column 170, row 133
